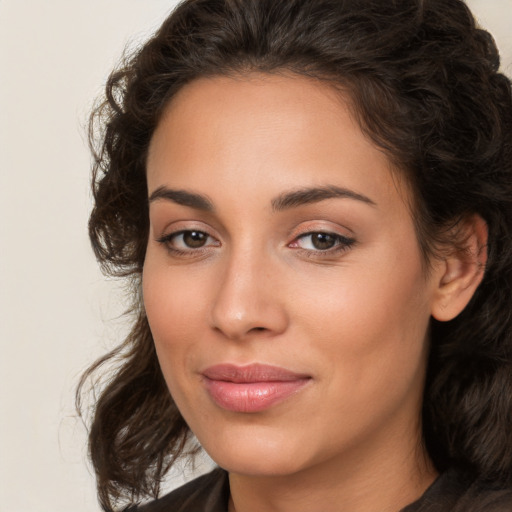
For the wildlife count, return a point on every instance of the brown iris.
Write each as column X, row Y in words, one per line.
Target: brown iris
column 194, row 239
column 322, row 241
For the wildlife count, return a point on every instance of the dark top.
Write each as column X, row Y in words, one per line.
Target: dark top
column 449, row 493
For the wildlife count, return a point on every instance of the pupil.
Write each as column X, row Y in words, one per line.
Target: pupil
column 194, row 239
column 322, row 241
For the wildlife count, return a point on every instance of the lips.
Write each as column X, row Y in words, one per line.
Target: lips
column 251, row 388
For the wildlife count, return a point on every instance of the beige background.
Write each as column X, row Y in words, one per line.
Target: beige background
column 57, row 313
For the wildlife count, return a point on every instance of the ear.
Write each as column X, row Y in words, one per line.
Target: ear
column 462, row 270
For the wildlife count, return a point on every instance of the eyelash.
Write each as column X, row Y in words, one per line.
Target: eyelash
column 168, row 239
column 341, row 243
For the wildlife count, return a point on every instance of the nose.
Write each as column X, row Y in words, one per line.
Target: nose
column 248, row 301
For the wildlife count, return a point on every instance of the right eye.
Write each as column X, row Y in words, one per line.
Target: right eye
column 188, row 240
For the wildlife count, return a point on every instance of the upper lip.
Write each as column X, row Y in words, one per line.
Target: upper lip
column 251, row 373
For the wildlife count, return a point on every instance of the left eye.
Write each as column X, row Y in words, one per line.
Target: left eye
column 320, row 241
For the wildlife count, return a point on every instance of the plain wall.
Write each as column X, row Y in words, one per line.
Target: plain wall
column 57, row 312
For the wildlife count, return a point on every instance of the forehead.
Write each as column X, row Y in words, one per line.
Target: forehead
column 270, row 130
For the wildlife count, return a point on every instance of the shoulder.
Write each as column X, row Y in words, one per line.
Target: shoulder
column 483, row 497
column 455, row 491
column 207, row 493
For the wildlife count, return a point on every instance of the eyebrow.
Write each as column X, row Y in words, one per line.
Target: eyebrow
column 182, row 197
column 282, row 202
column 314, row 195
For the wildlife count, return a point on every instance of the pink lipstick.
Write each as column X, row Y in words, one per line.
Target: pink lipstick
column 251, row 388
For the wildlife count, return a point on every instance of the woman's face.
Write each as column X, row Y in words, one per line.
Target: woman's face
column 283, row 280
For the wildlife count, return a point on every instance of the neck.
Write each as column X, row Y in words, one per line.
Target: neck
column 378, row 480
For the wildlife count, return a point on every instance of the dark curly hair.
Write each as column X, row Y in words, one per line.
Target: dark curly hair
column 424, row 85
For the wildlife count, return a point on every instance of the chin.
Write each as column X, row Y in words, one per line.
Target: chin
column 256, row 453
column 260, row 464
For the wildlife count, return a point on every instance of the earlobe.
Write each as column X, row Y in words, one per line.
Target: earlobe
column 462, row 270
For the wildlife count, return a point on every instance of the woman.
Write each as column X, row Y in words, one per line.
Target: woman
column 313, row 202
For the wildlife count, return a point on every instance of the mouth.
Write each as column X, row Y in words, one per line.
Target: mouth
column 251, row 388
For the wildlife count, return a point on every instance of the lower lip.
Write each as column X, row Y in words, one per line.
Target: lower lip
column 251, row 396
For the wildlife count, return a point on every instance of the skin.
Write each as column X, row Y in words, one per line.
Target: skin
column 354, row 317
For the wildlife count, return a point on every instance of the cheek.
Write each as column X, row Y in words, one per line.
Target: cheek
column 175, row 304
column 173, row 300
column 372, row 321
column 371, row 353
